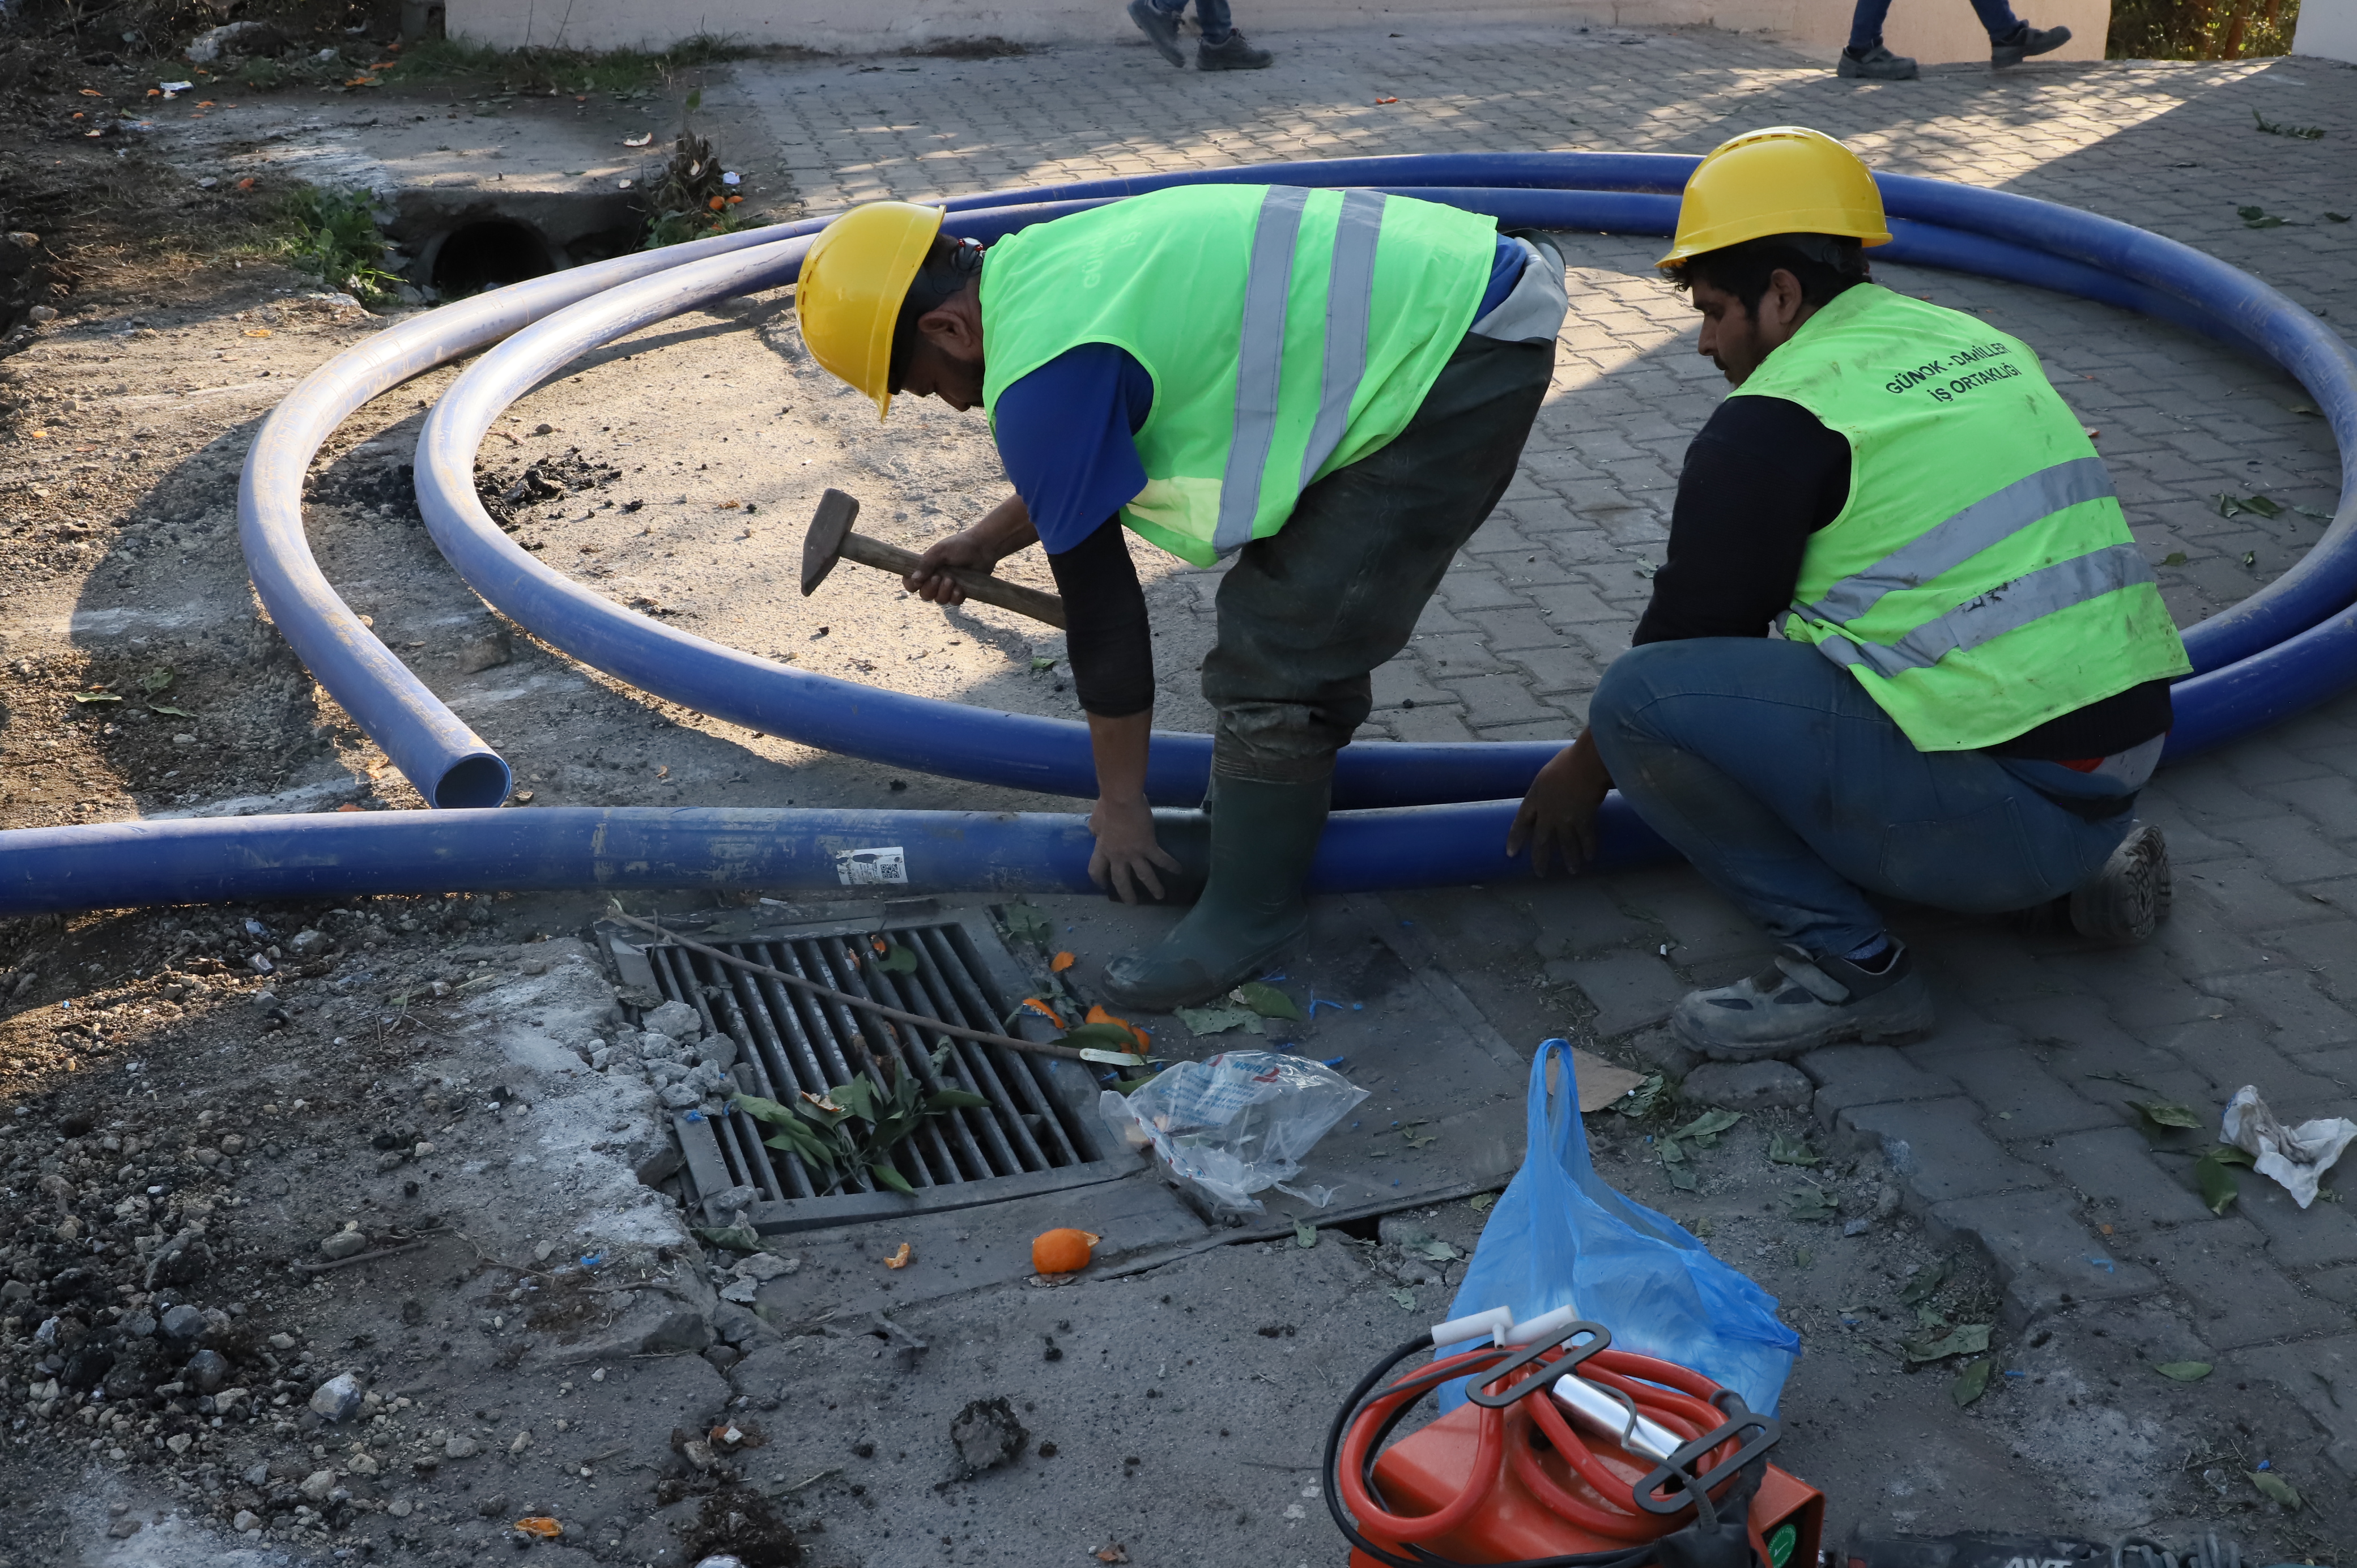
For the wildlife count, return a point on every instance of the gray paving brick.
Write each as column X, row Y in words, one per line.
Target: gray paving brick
column 1576, row 916
column 2115, row 1168
column 2291, row 849
column 2022, row 1098
column 2046, row 1257
column 2315, row 1376
column 1868, row 1075
column 2324, row 1232
column 2232, row 1051
column 1566, row 669
column 1422, row 723
column 2334, row 1284
column 2222, row 1267
column 1935, row 1146
column 2240, row 894
column 1988, row 966
column 1445, row 655
column 1701, row 923
column 1501, row 699
column 1629, row 990
column 2293, row 1002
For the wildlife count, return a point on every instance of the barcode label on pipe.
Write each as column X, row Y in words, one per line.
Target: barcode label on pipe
column 871, row 867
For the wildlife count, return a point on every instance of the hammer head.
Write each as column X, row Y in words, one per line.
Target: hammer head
column 823, row 546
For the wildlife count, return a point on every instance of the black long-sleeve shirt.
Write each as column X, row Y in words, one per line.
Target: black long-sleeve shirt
column 1762, row 476
column 1107, row 639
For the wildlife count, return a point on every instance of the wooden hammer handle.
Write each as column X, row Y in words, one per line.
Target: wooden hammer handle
column 980, row 586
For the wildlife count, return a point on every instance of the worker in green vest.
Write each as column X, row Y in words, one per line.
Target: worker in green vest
column 1903, row 644
column 1329, row 390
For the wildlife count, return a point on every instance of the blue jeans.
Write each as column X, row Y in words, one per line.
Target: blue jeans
column 1866, row 22
column 1794, row 794
column 1212, row 15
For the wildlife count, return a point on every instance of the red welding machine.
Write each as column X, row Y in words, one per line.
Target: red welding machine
column 1568, row 1455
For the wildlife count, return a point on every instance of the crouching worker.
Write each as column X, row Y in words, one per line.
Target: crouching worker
column 1332, row 388
column 1903, row 643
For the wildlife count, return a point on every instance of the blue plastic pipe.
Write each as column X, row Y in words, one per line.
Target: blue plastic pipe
column 2290, row 645
column 339, row 854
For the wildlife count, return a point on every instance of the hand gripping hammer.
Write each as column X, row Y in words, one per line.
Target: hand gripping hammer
column 830, row 540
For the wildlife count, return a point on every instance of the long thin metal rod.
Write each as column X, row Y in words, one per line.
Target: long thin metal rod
column 1034, row 1047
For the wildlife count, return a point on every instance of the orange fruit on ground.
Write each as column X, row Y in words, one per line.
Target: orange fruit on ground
column 1064, row 1252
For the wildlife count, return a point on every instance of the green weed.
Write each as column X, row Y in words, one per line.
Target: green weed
column 333, row 235
column 614, row 73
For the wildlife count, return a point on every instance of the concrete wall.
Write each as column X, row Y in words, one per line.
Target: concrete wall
column 2328, row 28
column 1932, row 31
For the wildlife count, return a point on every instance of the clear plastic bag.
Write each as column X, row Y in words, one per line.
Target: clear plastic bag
column 1560, row 1237
column 1237, row 1124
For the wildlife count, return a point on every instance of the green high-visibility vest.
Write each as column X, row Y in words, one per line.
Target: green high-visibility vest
column 1981, row 579
column 1288, row 332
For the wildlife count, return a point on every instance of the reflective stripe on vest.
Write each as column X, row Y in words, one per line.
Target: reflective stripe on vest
column 1260, row 369
column 1349, row 295
column 2007, row 607
column 1986, row 522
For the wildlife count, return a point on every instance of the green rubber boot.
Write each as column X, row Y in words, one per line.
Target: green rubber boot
column 1263, row 837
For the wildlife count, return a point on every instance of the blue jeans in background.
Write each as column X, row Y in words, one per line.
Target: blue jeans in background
column 1794, row 794
column 1866, row 22
column 1212, row 15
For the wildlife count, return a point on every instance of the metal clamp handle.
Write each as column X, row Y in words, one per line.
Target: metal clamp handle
column 1674, row 1467
column 1535, row 1351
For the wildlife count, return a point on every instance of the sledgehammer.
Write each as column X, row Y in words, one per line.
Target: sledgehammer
column 830, row 539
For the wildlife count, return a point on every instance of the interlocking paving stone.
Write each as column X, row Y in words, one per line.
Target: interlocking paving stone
column 1938, row 1147
column 2320, row 1376
column 2239, row 1297
column 2116, row 1170
column 2020, row 1096
column 2046, row 1255
column 1868, row 1075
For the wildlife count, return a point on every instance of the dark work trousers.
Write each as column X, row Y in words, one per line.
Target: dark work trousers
column 1307, row 613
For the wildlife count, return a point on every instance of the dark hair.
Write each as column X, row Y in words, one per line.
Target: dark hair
column 948, row 267
column 1825, row 264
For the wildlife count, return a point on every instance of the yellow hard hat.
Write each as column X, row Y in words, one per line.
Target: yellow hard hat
column 853, row 280
column 1786, row 180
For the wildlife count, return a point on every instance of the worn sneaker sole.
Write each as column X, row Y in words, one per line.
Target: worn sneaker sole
column 2043, row 41
column 1855, row 71
column 1901, row 1012
column 2127, row 901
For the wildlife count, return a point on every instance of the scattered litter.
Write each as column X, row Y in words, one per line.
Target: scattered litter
column 1063, row 1251
column 2275, row 1489
column 1924, row 1283
column 901, row 1258
column 2217, row 1183
column 1062, row 962
column 1236, row 1123
column 1039, row 1007
column 2260, row 218
column 1203, row 1020
column 1784, row 1149
column 2174, row 558
column 2165, row 1114
column 1638, row 1101
column 638, row 141
column 2184, row 1371
column 1113, row 1552
column 1811, row 1204
column 1386, row 100
column 2296, row 1157
column 2234, row 506
column 174, row 88
column 1404, row 1298
column 985, row 1435
column 541, row 1527
column 1025, row 923
column 1482, row 1202
column 731, row 178
column 1305, row 1234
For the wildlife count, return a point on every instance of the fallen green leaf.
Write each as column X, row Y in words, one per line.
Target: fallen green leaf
column 2164, row 1113
column 2250, row 557
column 2308, row 409
column 1682, row 1178
column 2257, row 218
column 1929, row 1316
column 955, row 1100
column 1784, row 1149
column 887, row 1176
column 1037, row 663
column 894, row 960
column 1640, row 1101
column 2275, row 1489
column 2174, row 558
column 2312, row 511
column 1802, row 1257
column 1218, row 1020
column 1305, row 1234
column 1706, row 1128
column 2218, row 1184
column 2232, row 1155
column 1104, row 1038
column 168, row 708
column 155, row 681
column 1924, row 1283
column 1963, row 1339
column 1809, row 1204
column 2184, row 1371
column 1266, row 1000
column 1404, row 1299
column 1432, row 1249
column 1025, row 923
column 1418, row 1137
column 2336, row 217
column 736, row 1238
column 1971, row 1384
column 1482, row 1202
column 96, row 697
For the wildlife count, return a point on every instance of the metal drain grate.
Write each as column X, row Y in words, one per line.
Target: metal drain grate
column 1038, row 1133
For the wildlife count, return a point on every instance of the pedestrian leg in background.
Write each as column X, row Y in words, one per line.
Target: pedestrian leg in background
column 1223, row 47
column 1795, row 795
column 1864, row 57
column 1305, row 617
column 1160, row 25
column 2013, row 40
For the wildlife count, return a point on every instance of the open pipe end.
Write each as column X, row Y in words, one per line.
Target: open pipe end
column 473, row 783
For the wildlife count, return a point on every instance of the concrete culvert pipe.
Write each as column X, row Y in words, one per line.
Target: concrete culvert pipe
column 2290, row 645
column 489, row 252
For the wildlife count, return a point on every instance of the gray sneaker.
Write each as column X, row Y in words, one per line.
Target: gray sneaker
column 1161, row 29
column 1802, row 1004
column 1876, row 64
column 1233, row 53
column 2028, row 41
column 2131, row 895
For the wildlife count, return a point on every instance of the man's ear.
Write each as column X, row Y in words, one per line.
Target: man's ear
column 951, row 330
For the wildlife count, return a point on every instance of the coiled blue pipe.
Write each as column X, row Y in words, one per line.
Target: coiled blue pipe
column 339, row 854
column 2282, row 649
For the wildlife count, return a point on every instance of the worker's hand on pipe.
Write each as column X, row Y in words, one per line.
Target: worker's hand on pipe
column 1558, row 816
column 1126, row 852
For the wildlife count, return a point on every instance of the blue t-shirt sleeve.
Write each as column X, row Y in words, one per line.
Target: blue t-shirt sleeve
column 1506, row 264
column 1066, row 433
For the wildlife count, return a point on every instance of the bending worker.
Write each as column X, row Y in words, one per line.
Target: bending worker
column 1903, row 643
column 1332, row 388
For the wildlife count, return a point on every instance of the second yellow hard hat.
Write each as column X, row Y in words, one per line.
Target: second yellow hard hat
column 848, row 299
column 1786, row 180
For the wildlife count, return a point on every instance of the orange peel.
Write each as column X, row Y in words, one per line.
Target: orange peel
column 1063, row 1251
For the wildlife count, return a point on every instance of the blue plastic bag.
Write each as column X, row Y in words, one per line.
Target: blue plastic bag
column 1560, row 1237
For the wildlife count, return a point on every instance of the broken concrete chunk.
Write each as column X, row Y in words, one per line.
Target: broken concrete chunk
column 1749, row 1086
column 676, row 1019
column 319, row 1484
column 339, row 1397
column 985, row 1434
column 766, row 1266
column 460, row 1448
column 343, row 1244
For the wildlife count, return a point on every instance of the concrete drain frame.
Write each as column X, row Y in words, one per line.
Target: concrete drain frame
column 1040, row 1135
